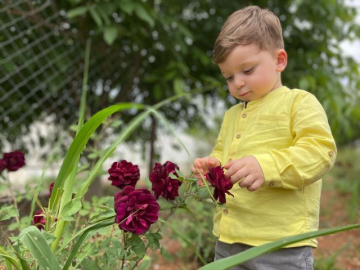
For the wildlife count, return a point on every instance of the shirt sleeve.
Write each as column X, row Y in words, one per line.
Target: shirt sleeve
column 217, row 151
column 311, row 154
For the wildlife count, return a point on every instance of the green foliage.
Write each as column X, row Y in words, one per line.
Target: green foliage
column 345, row 178
column 195, row 223
column 152, row 50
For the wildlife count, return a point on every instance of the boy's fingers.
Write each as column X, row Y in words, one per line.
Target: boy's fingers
column 212, row 162
column 229, row 164
column 254, row 186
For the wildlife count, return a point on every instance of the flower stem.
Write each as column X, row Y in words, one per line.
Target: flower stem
column 8, row 184
column 205, row 183
column 124, row 244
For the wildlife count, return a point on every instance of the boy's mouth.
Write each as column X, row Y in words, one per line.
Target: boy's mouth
column 244, row 94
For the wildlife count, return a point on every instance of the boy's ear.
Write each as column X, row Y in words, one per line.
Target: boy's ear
column 281, row 60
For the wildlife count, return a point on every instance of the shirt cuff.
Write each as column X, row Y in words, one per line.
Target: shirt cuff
column 269, row 168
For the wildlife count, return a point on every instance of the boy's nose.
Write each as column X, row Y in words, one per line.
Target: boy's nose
column 239, row 82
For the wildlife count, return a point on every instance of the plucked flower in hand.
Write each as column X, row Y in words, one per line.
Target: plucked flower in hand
column 136, row 210
column 124, row 174
column 162, row 183
column 39, row 220
column 222, row 184
column 14, row 160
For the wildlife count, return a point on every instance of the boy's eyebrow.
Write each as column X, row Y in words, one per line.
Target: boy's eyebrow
column 250, row 62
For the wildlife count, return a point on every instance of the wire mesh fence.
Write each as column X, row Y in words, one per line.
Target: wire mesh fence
column 41, row 67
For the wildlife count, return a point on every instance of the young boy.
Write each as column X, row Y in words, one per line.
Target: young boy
column 275, row 145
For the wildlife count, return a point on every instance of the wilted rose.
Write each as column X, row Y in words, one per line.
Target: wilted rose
column 2, row 165
column 14, row 160
column 222, row 184
column 124, row 174
column 136, row 209
column 162, row 183
column 39, row 220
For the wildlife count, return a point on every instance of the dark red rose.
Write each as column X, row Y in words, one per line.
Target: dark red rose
column 136, row 210
column 39, row 220
column 162, row 183
column 124, row 174
column 14, row 160
column 2, row 165
column 222, row 184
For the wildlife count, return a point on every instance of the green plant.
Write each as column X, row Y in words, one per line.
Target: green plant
column 345, row 178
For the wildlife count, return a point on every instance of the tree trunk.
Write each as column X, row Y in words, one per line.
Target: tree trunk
column 152, row 142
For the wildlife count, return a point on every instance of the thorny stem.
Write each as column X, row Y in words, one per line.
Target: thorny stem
column 205, row 183
column 8, row 183
column 123, row 258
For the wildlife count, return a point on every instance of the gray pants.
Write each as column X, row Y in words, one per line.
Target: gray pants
column 298, row 258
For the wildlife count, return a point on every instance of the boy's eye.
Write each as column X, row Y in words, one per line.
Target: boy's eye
column 229, row 78
column 248, row 71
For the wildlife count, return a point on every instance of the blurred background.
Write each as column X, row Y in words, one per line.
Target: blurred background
column 145, row 51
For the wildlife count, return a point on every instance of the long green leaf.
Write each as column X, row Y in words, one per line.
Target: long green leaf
column 168, row 125
column 65, row 245
column 242, row 257
column 69, row 185
column 90, row 229
column 10, row 259
column 47, row 164
column 79, row 143
column 32, row 238
column 123, row 135
column 105, row 155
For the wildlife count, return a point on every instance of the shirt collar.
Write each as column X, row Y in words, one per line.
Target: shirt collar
column 270, row 95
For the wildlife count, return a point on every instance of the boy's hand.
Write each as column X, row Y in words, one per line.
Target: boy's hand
column 247, row 170
column 202, row 165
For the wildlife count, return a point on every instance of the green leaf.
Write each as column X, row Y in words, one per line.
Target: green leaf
column 110, row 34
column 71, row 208
column 142, row 13
column 127, row 6
column 153, row 240
column 178, row 86
column 78, row 145
column 145, row 263
column 95, row 15
column 77, row 12
column 116, row 123
column 84, row 233
column 7, row 212
column 167, row 124
column 32, row 238
column 10, row 259
column 136, row 244
column 257, row 251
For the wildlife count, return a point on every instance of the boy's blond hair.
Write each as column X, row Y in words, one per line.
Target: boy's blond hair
column 246, row 26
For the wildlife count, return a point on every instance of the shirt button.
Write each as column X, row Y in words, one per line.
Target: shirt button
column 271, row 184
column 230, row 159
column 244, row 115
column 226, row 211
column 238, row 136
column 331, row 153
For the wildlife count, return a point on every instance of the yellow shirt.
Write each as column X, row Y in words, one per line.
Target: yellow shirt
column 287, row 131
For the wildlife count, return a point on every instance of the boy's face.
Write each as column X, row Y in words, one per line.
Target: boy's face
column 251, row 73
